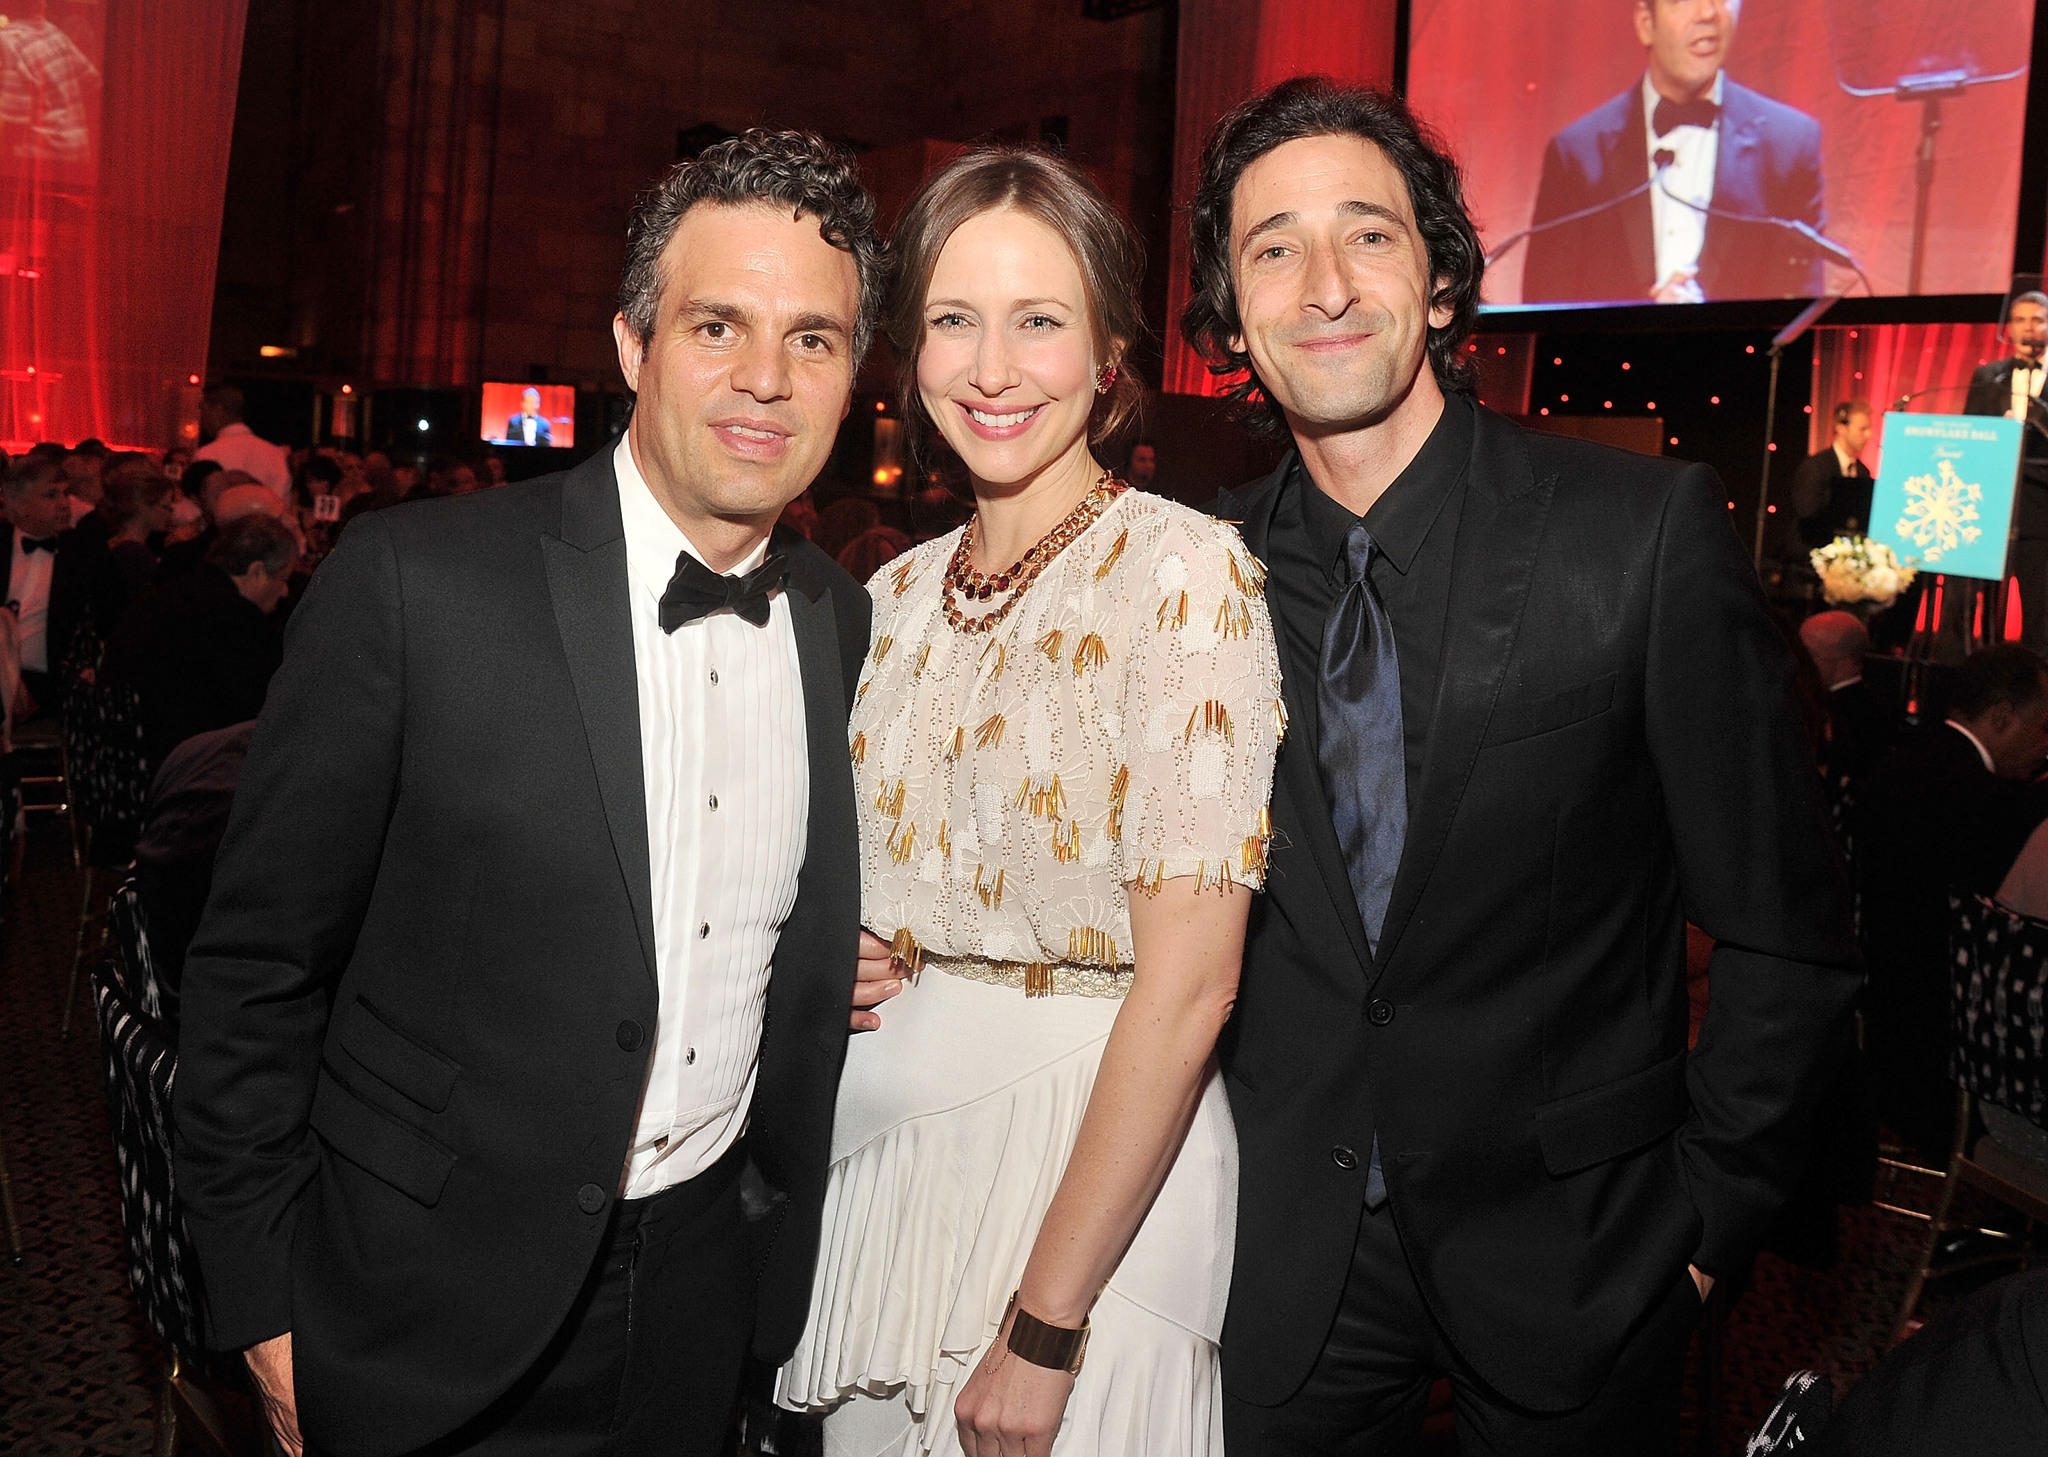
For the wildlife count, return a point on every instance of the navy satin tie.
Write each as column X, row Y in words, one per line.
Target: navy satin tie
column 1362, row 755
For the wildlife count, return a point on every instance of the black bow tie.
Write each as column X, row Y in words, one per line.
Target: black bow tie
column 39, row 543
column 1671, row 115
column 695, row 590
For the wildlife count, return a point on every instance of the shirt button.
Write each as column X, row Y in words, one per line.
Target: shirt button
column 590, row 1198
column 703, row 930
column 714, row 675
column 1343, row 1157
column 689, row 1056
column 714, row 801
column 1379, row 1013
column 629, row 1035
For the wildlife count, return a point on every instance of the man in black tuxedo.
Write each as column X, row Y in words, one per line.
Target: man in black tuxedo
column 2012, row 387
column 512, row 1029
column 1539, row 718
column 1831, row 489
column 529, row 426
column 1675, row 177
column 54, row 577
column 1952, row 810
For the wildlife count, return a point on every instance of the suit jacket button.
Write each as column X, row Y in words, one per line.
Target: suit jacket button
column 629, row 1034
column 590, row 1198
column 1343, row 1157
column 1379, row 1012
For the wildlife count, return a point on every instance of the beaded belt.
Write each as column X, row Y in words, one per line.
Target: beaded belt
column 1039, row 978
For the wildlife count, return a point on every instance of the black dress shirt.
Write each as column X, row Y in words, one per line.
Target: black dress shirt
column 1415, row 522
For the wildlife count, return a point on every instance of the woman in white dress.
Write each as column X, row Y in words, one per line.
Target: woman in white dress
column 1064, row 743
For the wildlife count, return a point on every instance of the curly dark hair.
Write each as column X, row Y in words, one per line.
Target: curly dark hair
column 1315, row 106
column 797, row 170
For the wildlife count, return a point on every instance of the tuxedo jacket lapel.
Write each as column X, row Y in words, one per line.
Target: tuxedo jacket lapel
column 1300, row 811
column 827, row 701
column 586, row 572
column 1498, row 540
column 1624, row 157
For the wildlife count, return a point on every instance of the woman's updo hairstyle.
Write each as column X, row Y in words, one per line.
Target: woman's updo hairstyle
column 1059, row 195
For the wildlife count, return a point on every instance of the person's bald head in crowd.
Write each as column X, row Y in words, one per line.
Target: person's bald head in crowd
column 242, row 495
column 1839, row 643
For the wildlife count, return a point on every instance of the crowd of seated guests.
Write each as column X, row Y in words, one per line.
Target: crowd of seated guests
column 161, row 583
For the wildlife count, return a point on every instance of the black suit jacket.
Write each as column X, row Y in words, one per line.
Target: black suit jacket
column 197, row 653
column 83, row 587
column 418, row 1012
column 1768, row 165
column 1828, row 503
column 1991, row 394
column 1613, row 751
column 516, row 433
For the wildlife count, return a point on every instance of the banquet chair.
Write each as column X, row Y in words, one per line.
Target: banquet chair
column 1998, row 1026
column 103, row 735
column 141, row 1068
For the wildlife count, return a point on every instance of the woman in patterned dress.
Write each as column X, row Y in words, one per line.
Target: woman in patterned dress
column 1064, row 743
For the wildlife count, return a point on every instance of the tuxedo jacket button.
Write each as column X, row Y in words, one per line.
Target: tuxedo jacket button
column 629, row 1034
column 1379, row 1012
column 590, row 1198
column 1343, row 1157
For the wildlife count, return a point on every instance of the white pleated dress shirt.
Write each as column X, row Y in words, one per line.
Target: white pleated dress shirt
column 728, row 784
column 1681, row 230
column 29, row 590
column 2026, row 387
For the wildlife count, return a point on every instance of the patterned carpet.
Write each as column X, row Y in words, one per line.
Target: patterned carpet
column 78, row 1370
column 77, row 1365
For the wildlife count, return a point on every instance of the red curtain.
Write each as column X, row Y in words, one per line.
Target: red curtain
column 1882, row 362
column 1228, row 50
column 114, row 129
column 1500, row 80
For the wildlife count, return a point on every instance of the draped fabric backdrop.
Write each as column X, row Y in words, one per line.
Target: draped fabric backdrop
column 1881, row 362
column 1500, row 80
column 1228, row 50
column 107, row 252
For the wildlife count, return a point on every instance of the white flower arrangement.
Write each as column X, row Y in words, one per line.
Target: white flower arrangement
column 1857, row 569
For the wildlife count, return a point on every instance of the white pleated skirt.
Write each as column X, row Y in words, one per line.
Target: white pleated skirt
column 954, row 1125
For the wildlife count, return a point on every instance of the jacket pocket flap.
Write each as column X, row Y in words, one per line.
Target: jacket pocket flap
column 1613, row 1119
column 379, row 1144
column 1525, row 719
column 417, row 1071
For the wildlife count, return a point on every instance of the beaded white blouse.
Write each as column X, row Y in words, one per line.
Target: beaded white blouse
column 1118, row 727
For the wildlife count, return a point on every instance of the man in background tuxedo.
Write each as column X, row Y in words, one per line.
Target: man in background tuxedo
column 50, row 577
column 529, row 426
column 1831, row 489
column 1952, row 809
column 1538, row 719
column 512, row 1030
column 1648, row 165
column 2012, row 387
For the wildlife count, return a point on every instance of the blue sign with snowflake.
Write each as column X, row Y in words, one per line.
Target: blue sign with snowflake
column 1944, row 498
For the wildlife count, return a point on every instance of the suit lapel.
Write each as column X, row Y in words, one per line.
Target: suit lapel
column 811, row 612
column 1624, row 156
column 586, row 572
column 1735, row 179
column 1499, row 534
column 1301, row 811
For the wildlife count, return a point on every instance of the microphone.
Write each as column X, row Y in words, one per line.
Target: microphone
column 1803, row 228
column 1663, row 160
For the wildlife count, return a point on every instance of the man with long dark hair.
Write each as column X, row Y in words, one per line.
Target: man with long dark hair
column 1539, row 719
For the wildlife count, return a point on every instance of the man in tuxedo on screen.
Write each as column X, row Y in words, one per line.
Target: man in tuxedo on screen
column 513, row 1025
column 1539, row 718
column 2012, row 387
column 529, row 426
column 1674, row 175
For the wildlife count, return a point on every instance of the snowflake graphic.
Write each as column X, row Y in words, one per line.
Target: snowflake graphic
column 1939, row 510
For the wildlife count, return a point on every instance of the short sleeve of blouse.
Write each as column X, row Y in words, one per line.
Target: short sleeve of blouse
column 1202, row 713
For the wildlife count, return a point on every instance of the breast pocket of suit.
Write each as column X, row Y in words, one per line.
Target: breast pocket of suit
column 378, row 1086
column 1516, row 719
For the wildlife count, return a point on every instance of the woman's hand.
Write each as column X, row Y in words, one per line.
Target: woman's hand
column 1009, row 1407
column 876, row 979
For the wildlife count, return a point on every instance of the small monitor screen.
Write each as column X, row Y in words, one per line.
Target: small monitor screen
column 1688, row 151
column 537, row 415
